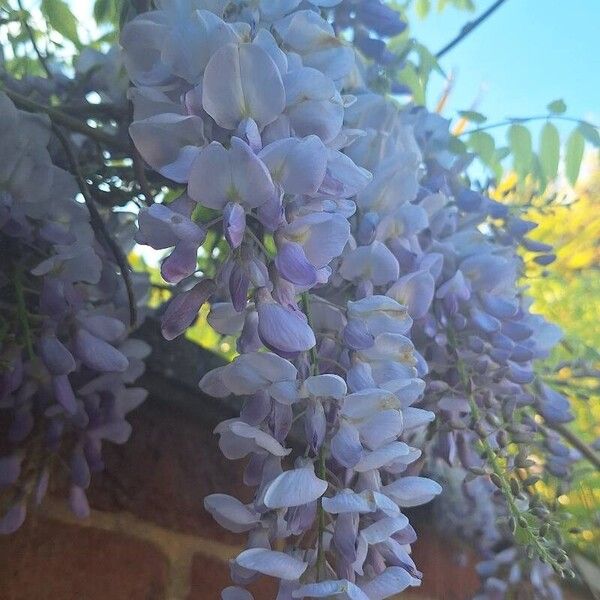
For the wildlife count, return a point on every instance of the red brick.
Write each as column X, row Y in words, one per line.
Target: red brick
column 47, row 560
column 448, row 569
column 163, row 473
column 210, row 576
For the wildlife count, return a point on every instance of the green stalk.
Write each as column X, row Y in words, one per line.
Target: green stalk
column 22, row 313
column 321, row 469
column 529, row 536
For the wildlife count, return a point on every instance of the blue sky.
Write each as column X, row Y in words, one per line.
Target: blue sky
column 528, row 53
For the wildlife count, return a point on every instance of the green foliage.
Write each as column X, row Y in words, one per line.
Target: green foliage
column 422, row 8
column 549, row 151
column 484, row 145
column 566, row 293
column 557, row 107
column 590, row 133
column 574, row 155
column 61, row 19
column 519, row 139
column 107, row 11
column 473, row 116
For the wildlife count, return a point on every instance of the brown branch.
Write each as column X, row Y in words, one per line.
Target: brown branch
column 98, row 224
column 103, row 110
column 40, row 56
column 138, row 167
column 469, row 27
column 60, row 118
column 572, row 439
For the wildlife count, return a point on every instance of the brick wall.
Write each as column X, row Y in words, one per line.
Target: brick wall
column 148, row 537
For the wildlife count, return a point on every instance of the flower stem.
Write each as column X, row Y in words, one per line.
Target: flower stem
column 22, row 313
column 529, row 536
column 321, row 467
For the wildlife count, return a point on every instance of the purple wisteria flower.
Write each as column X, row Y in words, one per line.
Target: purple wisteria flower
column 365, row 293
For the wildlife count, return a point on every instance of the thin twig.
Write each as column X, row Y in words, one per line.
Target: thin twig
column 98, row 224
column 22, row 312
column 140, row 175
column 572, row 439
column 469, row 27
column 517, row 120
column 60, row 118
column 138, row 167
column 41, row 57
column 86, row 109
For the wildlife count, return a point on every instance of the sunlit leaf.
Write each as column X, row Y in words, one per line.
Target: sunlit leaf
column 60, row 18
column 538, row 172
column 473, row 116
column 549, row 150
column 483, row 145
column 457, row 146
column 557, row 107
column 590, row 133
column 502, row 153
column 422, row 8
column 574, row 155
column 106, row 11
column 519, row 138
column 411, row 78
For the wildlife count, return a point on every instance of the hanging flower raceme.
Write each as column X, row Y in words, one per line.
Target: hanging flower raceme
column 63, row 338
column 366, row 296
column 269, row 157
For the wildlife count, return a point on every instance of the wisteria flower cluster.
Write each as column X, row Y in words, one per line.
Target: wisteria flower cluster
column 370, row 292
column 67, row 363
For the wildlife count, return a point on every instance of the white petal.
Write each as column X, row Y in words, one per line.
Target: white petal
column 412, row 491
column 261, row 438
column 382, row 428
column 381, row 530
column 347, row 501
column 416, row 417
column 406, row 390
column 325, row 386
column 251, row 372
column 236, row 593
column 392, row 581
column 230, row 513
column 297, row 164
column 366, row 403
column 242, row 82
column 381, row 457
column 294, row 488
column 285, row 392
column 271, row 562
column 225, row 319
column 341, row 590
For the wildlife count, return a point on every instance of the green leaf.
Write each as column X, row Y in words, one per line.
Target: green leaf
column 538, row 171
column 483, row 145
column 61, row 19
column 105, row 11
column 549, row 151
column 519, row 139
column 422, row 8
column 574, row 155
column 411, row 78
column 456, row 146
column 502, row 153
column 473, row 116
column 557, row 107
column 590, row 133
